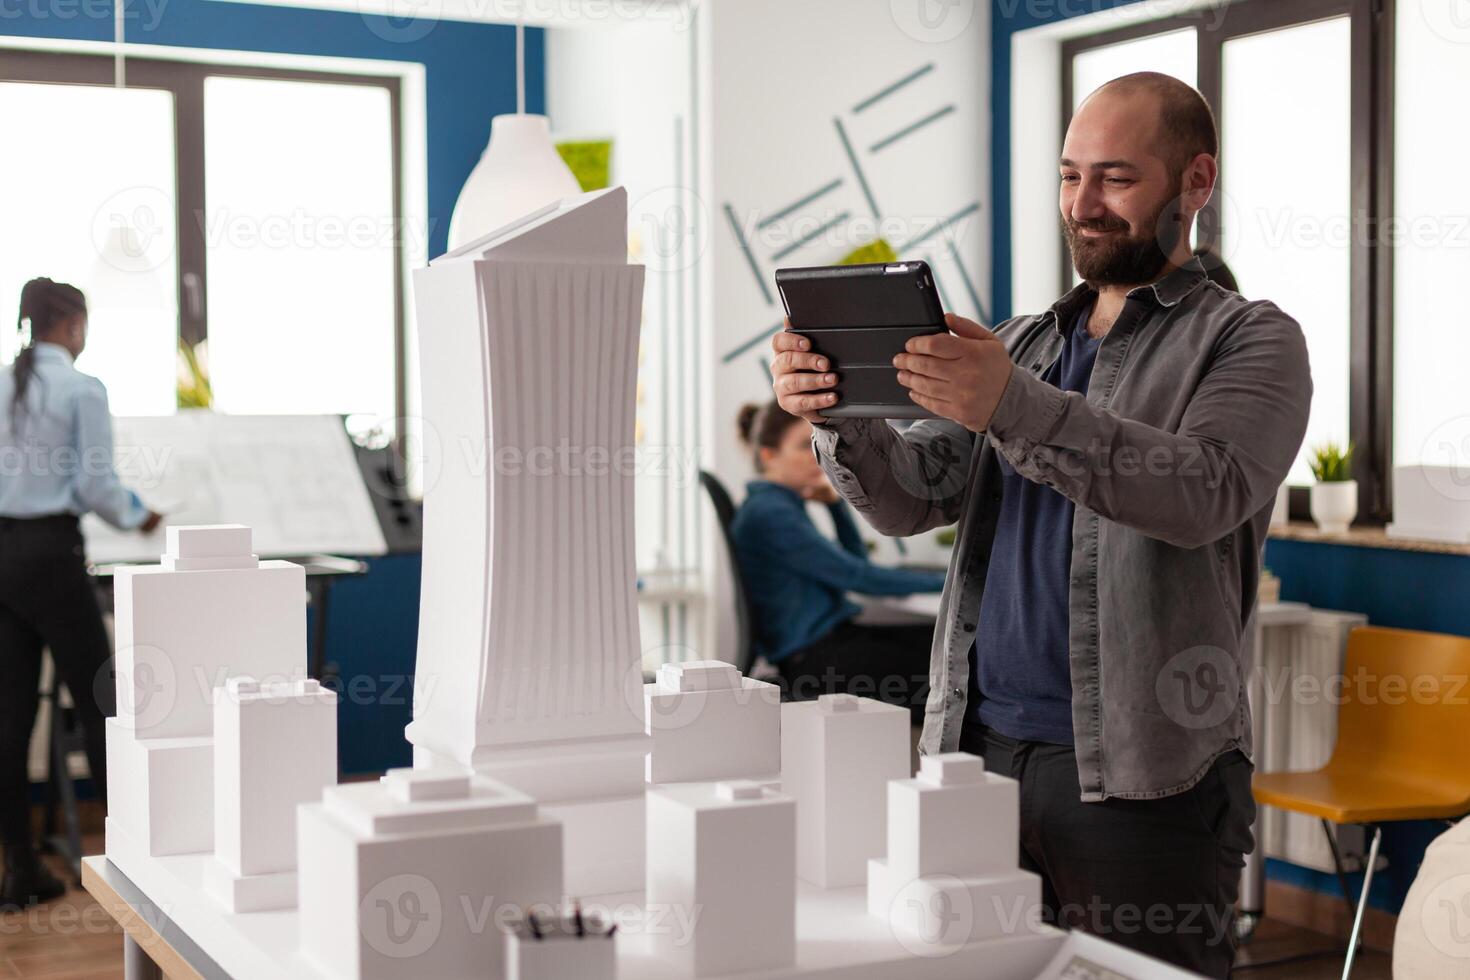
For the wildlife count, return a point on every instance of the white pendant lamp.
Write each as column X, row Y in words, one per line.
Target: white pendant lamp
column 519, row 172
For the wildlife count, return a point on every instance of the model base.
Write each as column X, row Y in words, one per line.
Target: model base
column 836, row 938
column 595, row 790
column 948, row 911
column 249, row 893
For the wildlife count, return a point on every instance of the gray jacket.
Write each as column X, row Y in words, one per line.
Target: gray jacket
column 1196, row 408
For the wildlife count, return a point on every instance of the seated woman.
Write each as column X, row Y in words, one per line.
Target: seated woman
column 797, row 580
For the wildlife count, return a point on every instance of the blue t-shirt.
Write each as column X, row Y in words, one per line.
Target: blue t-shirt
column 1021, row 685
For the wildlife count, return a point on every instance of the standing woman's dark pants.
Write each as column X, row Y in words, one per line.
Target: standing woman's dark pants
column 46, row 600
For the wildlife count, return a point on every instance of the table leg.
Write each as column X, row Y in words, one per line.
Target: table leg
column 1252, row 903
column 137, row 964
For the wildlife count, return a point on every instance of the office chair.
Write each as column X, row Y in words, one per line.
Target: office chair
column 1399, row 756
column 725, row 513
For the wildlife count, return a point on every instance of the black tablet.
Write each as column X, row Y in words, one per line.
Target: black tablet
column 859, row 317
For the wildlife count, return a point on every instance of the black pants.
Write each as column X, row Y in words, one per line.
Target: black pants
column 46, row 600
column 1158, row 876
column 890, row 663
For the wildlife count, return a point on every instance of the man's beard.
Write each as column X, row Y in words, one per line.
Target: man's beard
column 1120, row 259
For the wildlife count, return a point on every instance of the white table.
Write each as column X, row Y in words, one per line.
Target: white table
column 908, row 608
column 836, row 938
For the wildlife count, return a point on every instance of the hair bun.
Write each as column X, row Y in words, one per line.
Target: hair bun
column 745, row 420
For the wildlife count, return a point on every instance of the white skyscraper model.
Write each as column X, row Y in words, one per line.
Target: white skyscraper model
column 211, row 609
column 529, row 664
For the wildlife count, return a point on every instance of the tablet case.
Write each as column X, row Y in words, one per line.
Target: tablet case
column 859, row 317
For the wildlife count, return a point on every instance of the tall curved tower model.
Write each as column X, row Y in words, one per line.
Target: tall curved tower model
column 529, row 662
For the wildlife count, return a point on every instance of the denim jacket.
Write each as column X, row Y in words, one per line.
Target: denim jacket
column 1196, row 408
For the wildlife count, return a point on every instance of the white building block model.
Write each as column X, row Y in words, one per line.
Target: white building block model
column 528, row 344
column 275, row 748
column 951, row 875
column 710, row 722
column 411, row 876
column 572, row 944
column 210, row 610
column 204, row 547
column 160, row 793
column 838, row 755
column 721, row 876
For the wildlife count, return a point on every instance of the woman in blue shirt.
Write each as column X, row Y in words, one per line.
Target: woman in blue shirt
column 797, row 580
column 55, row 465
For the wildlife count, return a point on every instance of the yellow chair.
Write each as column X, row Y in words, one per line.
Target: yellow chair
column 1403, row 731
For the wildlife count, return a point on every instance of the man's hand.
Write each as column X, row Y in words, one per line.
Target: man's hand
column 150, row 522
column 958, row 375
column 797, row 378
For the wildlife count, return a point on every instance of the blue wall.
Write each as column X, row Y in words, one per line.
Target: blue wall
column 1006, row 18
column 372, row 636
column 469, row 68
column 1394, row 588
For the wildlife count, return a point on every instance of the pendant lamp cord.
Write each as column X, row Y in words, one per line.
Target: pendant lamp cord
column 119, row 72
column 521, row 64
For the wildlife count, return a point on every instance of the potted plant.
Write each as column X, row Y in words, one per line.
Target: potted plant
column 1335, row 494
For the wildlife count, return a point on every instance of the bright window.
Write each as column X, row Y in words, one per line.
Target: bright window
column 1173, row 53
column 1286, row 228
column 252, row 209
column 1431, row 238
column 86, row 188
column 300, row 236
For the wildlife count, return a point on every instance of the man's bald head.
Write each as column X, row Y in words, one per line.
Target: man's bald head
column 1186, row 126
column 1137, row 165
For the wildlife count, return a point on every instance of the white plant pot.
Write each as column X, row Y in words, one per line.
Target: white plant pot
column 1280, row 511
column 1334, row 505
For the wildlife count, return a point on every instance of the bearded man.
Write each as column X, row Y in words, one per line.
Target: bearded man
column 1112, row 464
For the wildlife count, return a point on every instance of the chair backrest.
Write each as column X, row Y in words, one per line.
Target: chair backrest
column 1405, row 703
column 725, row 512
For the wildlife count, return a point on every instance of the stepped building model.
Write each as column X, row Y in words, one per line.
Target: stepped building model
column 563, row 818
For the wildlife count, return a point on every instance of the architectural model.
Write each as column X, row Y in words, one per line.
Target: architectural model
column 726, row 849
column 410, row 875
column 255, row 797
column 209, row 610
column 562, row 818
column 528, row 621
column 838, row 754
column 706, row 722
column 940, row 879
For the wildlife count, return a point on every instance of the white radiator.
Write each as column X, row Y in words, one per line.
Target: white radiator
column 1297, row 663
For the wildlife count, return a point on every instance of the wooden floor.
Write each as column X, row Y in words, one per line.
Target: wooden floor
column 1275, row 941
column 71, row 938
